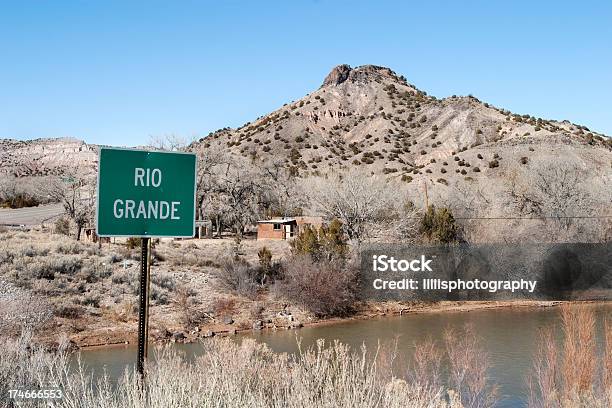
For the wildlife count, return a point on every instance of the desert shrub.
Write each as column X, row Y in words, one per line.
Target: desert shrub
column 439, row 225
column 132, row 243
column 125, row 311
column 68, row 311
column 19, row 200
column 114, row 258
column 493, row 164
column 68, row 247
column 62, row 226
column 239, row 276
column 224, row 307
column 90, row 299
column 269, row 271
column 443, row 181
column 524, row 160
column 164, row 280
column 31, row 251
column 190, row 312
column 6, row 256
column 325, row 288
column 47, row 267
column 89, row 273
column 328, row 242
column 125, row 276
column 159, row 295
column 22, row 310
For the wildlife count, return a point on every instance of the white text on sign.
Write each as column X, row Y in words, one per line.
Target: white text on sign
column 162, row 210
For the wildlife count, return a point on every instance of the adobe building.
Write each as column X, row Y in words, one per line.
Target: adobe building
column 285, row 228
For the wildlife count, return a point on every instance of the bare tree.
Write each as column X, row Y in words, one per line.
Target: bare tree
column 281, row 193
column 553, row 190
column 168, row 142
column 364, row 204
column 211, row 161
column 234, row 192
column 77, row 195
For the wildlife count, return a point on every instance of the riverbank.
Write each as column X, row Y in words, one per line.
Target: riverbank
column 88, row 294
column 364, row 311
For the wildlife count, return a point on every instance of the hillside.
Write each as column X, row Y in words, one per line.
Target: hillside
column 43, row 157
column 366, row 116
column 371, row 117
column 487, row 164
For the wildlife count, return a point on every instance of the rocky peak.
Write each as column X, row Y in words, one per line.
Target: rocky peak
column 364, row 73
column 338, row 74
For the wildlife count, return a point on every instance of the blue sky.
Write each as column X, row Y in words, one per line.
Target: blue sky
column 116, row 72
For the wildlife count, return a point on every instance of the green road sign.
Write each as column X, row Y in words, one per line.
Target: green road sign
column 145, row 194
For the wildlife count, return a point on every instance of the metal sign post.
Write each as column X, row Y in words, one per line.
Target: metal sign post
column 145, row 194
column 143, row 304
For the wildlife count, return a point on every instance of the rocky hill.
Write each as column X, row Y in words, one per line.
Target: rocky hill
column 366, row 116
column 371, row 117
column 486, row 163
column 43, row 157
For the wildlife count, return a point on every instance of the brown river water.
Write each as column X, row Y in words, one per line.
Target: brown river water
column 510, row 336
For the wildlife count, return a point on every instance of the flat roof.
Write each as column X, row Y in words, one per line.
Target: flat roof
column 277, row 221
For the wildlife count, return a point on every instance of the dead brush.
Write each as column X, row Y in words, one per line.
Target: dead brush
column 224, row 307
column 125, row 312
column 572, row 372
column 607, row 375
column 426, row 367
column 468, row 365
column 191, row 313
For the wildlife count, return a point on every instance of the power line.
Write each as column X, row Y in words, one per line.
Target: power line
column 530, row 218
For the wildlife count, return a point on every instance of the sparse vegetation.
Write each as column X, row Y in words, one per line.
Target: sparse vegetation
column 580, row 375
column 62, row 226
column 331, row 375
column 325, row 288
column 439, row 225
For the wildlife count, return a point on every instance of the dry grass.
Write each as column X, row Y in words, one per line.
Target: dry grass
column 580, row 375
column 231, row 374
column 228, row 374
